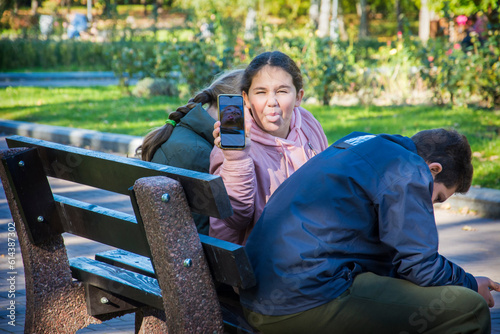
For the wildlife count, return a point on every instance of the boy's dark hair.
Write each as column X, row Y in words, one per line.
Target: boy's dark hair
column 452, row 150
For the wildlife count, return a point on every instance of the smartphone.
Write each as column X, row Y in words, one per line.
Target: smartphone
column 232, row 121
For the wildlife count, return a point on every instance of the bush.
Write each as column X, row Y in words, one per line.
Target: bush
column 459, row 76
column 488, row 69
column 165, row 60
column 198, row 63
column 329, row 68
column 148, row 87
column 371, row 69
column 28, row 53
column 127, row 62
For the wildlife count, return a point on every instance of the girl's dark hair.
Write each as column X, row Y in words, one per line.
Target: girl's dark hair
column 452, row 150
column 275, row 59
column 226, row 83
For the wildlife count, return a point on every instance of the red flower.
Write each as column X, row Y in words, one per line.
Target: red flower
column 449, row 52
column 462, row 20
column 430, row 59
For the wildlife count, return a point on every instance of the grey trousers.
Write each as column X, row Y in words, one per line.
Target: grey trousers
column 377, row 304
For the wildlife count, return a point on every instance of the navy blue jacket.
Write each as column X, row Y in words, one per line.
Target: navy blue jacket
column 362, row 205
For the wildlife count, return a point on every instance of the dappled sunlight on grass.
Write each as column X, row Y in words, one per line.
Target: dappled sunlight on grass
column 482, row 128
column 106, row 109
column 96, row 108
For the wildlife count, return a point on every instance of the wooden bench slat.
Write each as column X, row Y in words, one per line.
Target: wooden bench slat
column 132, row 285
column 235, row 323
column 123, row 259
column 228, row 262
column 22, row 171
column 103, row 225
column 205, row 193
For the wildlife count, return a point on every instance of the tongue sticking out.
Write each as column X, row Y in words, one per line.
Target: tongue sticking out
column 273, row 118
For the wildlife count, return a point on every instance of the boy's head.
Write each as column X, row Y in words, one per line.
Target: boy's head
column 452, row 151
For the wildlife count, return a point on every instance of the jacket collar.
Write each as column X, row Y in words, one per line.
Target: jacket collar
column 199, row 121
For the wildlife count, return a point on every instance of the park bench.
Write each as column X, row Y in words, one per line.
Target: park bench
column 174, row 279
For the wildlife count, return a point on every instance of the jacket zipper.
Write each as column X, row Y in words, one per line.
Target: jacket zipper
column 312, row 149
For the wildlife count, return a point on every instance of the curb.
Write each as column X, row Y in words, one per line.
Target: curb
column 93, row 140
column 485, row 201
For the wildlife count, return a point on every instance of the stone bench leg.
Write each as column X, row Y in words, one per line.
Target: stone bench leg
column 189, row 297
column 150, row 320
column 54, row 303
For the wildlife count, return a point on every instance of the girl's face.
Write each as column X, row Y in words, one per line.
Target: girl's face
column 271, row 99
column 231, row 115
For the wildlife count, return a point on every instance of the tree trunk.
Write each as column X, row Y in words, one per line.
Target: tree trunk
column 89, row 11
column 451, row 31
column 250, row 24
column 314, row 13
column 399, row 17
column 324, row 18
column 155, row 18
column 424, row 22
column 34, row 7
column 334, row 23
column 363, row 20
column 145, row 3
column 342, row 31
column 107, row 8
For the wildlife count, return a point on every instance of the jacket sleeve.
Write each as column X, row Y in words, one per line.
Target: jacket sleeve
column 407, row 225
column 237, row 171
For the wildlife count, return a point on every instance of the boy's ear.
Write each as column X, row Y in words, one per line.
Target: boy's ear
column 435, row 168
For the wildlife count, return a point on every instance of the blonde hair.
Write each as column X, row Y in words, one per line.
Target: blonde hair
column 226, row 83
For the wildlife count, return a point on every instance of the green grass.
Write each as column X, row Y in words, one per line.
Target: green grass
column 106, row 109
column 482, row 128
column 61, row 68
column 96, row 108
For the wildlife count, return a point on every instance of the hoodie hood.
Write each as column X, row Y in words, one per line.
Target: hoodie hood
column 295, row 148
column 262, row 137
column 200, row 122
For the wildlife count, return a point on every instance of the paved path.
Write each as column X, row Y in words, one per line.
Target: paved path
column 470, row 241
column 76, row 246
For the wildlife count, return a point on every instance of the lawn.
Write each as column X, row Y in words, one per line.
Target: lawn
column 106, row 109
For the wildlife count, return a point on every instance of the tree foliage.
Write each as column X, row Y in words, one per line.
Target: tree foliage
column 463, row 7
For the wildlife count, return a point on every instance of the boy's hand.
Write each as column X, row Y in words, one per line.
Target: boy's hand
column 485, row 286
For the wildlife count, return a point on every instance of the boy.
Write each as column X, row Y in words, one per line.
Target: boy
column 348, row 244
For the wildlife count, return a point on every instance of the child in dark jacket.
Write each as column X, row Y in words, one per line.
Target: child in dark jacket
column 348, row 243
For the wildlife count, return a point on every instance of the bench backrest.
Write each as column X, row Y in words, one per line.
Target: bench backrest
column 47, row 215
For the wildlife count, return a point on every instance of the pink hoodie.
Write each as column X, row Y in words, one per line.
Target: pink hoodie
column 253, row 174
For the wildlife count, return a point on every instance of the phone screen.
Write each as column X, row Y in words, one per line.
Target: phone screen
column 231, row 117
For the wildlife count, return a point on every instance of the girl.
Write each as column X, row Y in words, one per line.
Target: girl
column 281, row 137
column 186, row 139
